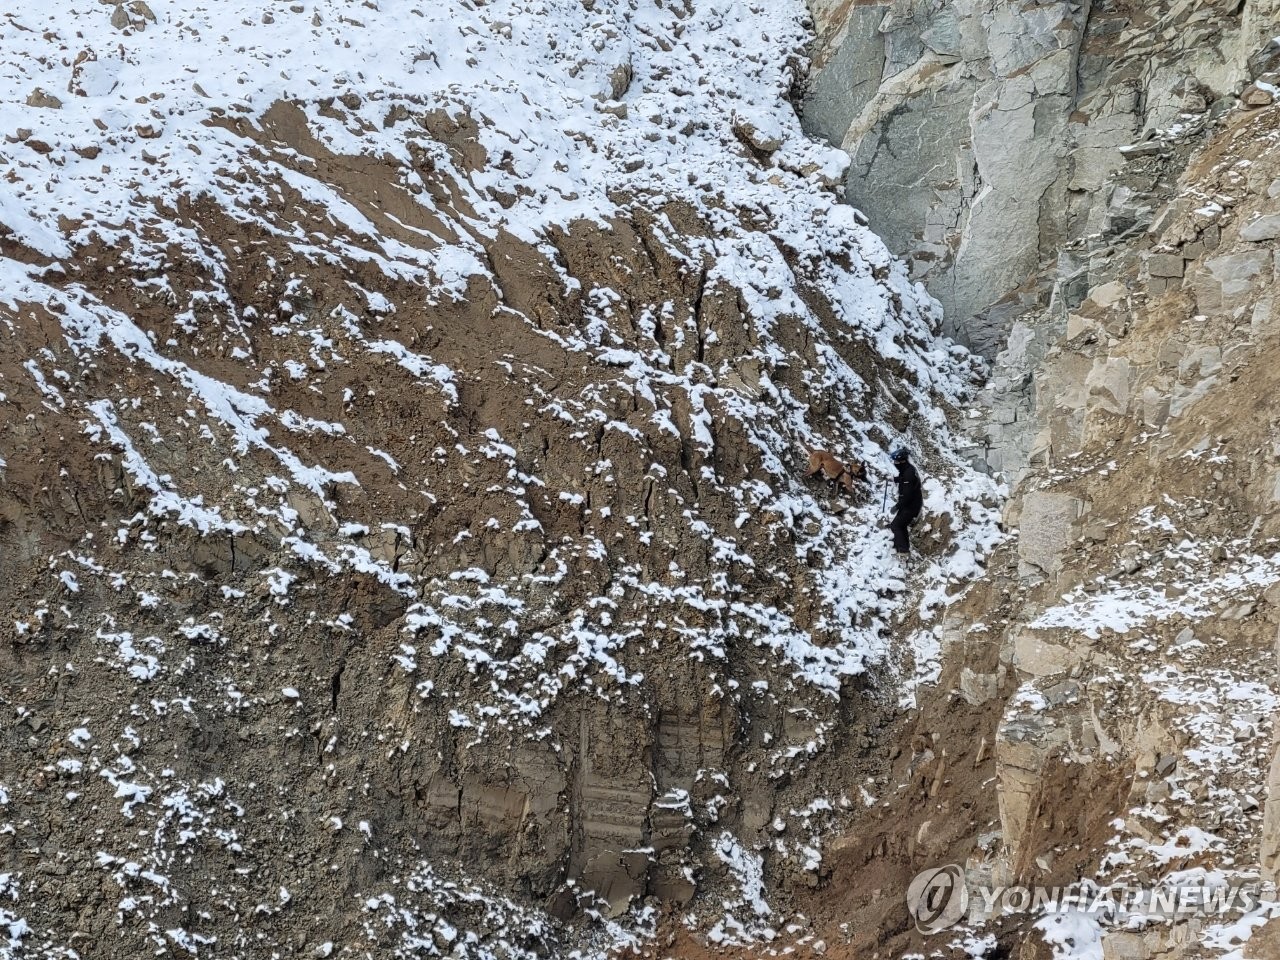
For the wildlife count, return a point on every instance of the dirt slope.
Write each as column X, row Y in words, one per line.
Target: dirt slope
column 403, row 418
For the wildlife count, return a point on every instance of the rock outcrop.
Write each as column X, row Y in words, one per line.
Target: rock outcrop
column 1117, row 664
column 402, row 433
column 1159, row 606
column 984, row 135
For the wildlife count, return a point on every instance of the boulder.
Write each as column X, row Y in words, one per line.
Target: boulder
column 761, row 132
column 1165, row 265
column 1264, row 228
column 1040, row 657
column 1047, row 529
column 41, row 99
column 1257, row 95
column 1108, row 384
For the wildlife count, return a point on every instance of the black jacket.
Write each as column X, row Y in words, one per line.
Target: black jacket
column 910, row 498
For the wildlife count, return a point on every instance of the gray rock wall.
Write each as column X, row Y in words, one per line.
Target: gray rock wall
column 985, row 134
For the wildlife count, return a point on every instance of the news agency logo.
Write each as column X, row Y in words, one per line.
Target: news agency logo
column 938, row 899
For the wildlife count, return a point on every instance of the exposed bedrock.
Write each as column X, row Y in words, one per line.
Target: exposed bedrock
column 985, row 135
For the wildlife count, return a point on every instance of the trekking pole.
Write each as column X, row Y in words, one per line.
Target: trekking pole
column 884, row 505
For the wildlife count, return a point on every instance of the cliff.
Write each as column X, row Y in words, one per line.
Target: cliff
column 1094, row 191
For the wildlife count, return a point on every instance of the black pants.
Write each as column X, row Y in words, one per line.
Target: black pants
column 902, row 521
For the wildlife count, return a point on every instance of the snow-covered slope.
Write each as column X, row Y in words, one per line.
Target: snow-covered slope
column 404, row 413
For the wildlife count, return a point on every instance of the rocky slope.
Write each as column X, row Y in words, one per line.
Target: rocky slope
column 404, row 412
column 1105, row 711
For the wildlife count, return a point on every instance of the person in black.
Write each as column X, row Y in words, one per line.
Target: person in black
column 910, row 502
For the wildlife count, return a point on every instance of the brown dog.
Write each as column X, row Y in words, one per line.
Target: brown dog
column 834, row 470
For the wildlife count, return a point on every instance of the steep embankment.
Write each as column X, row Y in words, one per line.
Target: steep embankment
column 1105, row 710
column 403, row 411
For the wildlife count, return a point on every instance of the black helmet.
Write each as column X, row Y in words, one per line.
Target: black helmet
column 899, row 454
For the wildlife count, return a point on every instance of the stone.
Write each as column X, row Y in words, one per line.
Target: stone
column 1165, row 265
column 1026, row 745
column 1155, row 407
column 762, row 133
column 1200, row 363
column 1109, row 294
column 620, row 81
column 1078, row 325
column 1184, row 398
column 1157, row 791
column 1046, row 528
column 1108, row 385
column 1227, row 280
column 977, row 688
column 39, row 98
column 942, row 36
column 1264, row 228
column 1239, row 611
column 1034, row 655
column 1151, row 148
column 1255, row 96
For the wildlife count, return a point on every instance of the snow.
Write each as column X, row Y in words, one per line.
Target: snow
column 1124, row 608
column 15, row 928
column 747, row 870
column 1073, row 934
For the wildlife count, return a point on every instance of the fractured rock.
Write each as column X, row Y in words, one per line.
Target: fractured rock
column 1165, row 265
column 1046, row 528
column 1264, row 228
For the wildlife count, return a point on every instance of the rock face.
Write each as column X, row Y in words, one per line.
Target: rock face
column 401, row 437
column 1119, row 656
column 1156, row 432
column 984, row 134
column 1109, row 688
